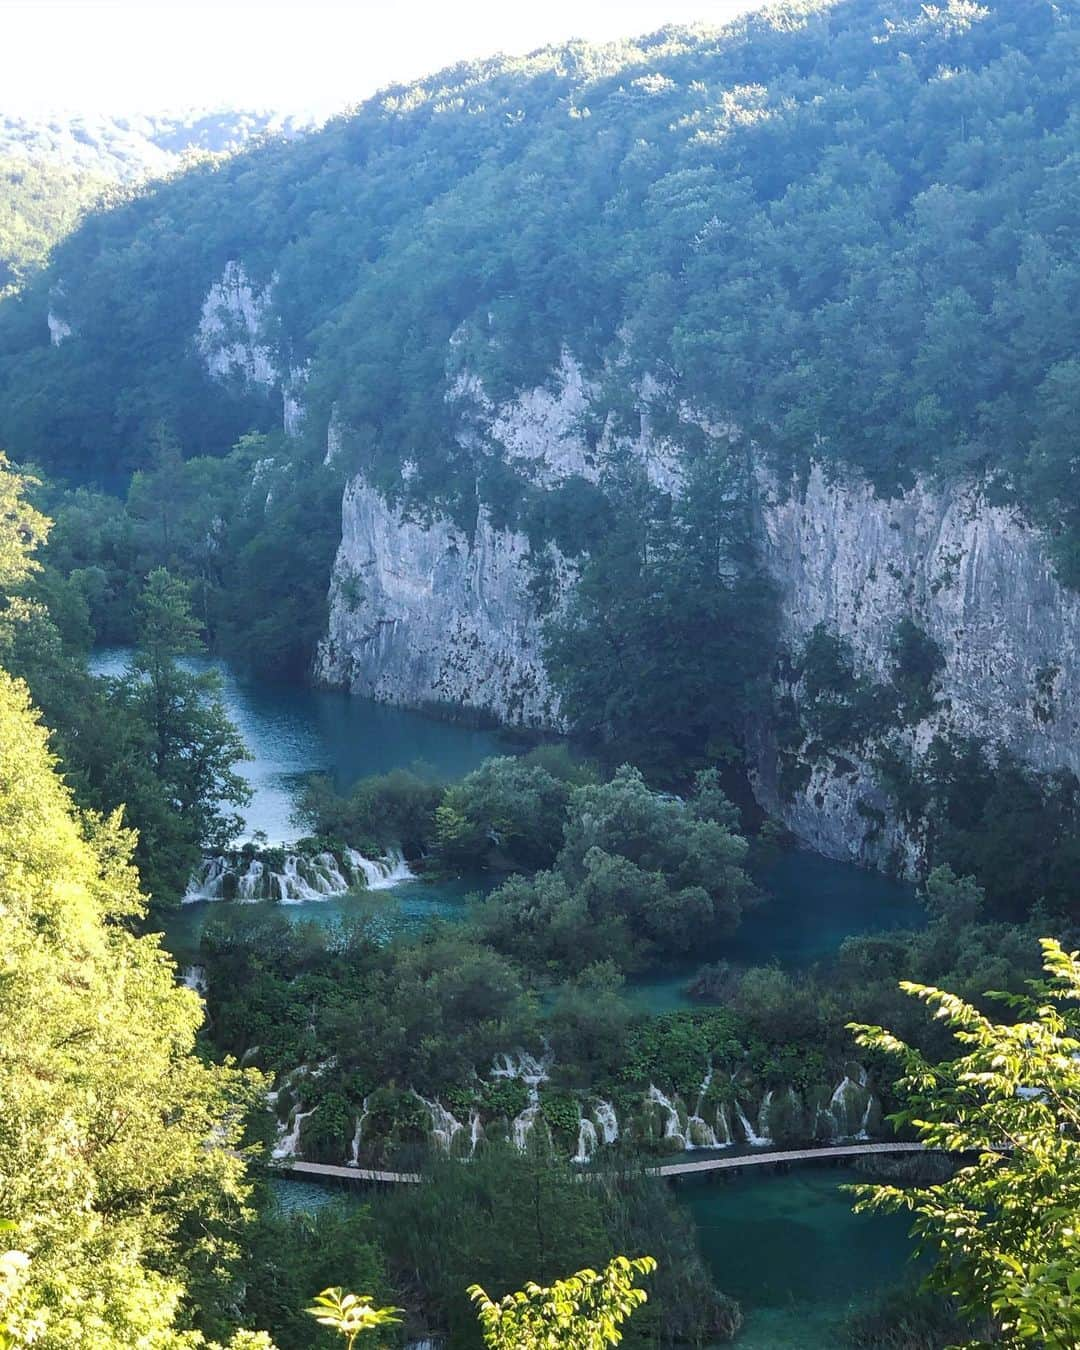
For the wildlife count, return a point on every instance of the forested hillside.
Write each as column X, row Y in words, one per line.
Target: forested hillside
column 846, row 227
column 53, row 169
column 148, row 145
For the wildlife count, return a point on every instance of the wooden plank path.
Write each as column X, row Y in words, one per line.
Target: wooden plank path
column 680, row 1169
column 767, row 1156
column 326, row 1170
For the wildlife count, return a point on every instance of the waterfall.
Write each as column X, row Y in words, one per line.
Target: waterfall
column 523, row 1124
column 532, row 1072
column 672, row 1128
column 380, row 873
column 443, row 1125
column 608, row 1122
column 476, row 1130
column 846, row 1108
column 699, row 1133
column 302, row 876
column 753, row 1138
column 249, row 883
column 194, row 977
column 522, row 1065
column 288, row 1145
column 586, row 1140
column 207, row 881
column 354, row 1148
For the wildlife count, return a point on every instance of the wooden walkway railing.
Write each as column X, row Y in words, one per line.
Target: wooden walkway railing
column 765, row 1157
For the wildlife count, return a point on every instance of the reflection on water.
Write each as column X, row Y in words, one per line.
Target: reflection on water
column 407, row 907
column 812, row 904
column 290, row 730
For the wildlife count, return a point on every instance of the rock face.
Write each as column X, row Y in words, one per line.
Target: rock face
column 233, row 339
column 976, row 578
column 230, row 337
column 426, row 612
column 423, row 613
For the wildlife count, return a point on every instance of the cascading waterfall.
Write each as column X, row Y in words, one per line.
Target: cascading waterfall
column 194, row 977
column 302, row 876
column 753, row 1138
column 523, row 1124
column 288, row 1145
column 354, row 1148
column 444, row 1126
column 380, row 873
column 849, row 1109
column 476, row 1130
column 699, row 1133
column 587, row 1139
column 249, row 883
column 672, row 1126
column 532, row 1072
column 607, row 1121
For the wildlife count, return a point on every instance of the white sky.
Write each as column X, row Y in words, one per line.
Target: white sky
column 127, row 56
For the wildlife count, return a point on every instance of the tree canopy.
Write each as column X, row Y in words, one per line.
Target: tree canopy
column 1004, row 1229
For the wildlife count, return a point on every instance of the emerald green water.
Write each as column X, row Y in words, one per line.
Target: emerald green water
column 789, row 1248
column 410, row 906
column 813, row 904
column 290, row 730
column 786, row 1245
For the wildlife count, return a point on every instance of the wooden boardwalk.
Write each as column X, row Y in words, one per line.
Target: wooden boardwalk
column 770, row 1156
column 764, row 1158
column 328, row 1172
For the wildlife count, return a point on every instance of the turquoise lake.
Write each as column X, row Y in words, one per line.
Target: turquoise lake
column 787, row 1244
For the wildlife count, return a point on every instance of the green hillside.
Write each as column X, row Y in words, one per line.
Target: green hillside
column 847, row 226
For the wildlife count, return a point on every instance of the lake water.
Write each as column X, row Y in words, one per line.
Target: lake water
column 789, row 1248
column 786, row 1245
column 813, row 904
column 290, row 730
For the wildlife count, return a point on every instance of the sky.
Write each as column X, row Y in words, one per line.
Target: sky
column 113, row 56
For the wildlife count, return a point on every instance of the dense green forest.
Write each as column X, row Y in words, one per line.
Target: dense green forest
column 846, row 229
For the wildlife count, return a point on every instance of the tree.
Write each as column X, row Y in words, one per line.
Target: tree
column 116, row 1208
column 1006, row 1226
column 583, row 1312
column 118, row 1202
column 351, row 1315
column 192, row 746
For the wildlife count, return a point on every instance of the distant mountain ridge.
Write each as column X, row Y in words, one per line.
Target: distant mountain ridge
column 55, row 167
column 129, row 148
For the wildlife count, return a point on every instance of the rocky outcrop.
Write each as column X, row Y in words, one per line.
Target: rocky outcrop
column 976, row 578
column 425, row 613
column 233, row 339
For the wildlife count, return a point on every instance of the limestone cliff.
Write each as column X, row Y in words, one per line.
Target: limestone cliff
column 975, row 577
column 426, row 612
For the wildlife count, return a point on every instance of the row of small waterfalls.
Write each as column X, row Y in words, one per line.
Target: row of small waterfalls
column 723, row 1113
column 292, row 877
